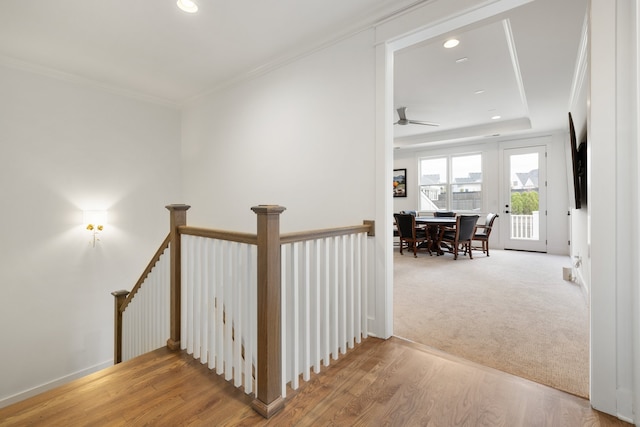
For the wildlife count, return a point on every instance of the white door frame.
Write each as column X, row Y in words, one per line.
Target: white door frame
column 539, row 245
column 423, row 22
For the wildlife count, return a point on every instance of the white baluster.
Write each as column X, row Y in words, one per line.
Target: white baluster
column 190, row 294
column 220, row 247
column 126, row 323
column 295, row 338
column 228, row 316
column 204, row 301
column 326, row 286
column 306, row 308
column 211, row 293
column 349, row 300
column 317, row 332
column 166, row 296
column 284, row 319
column 183, row 291
column 358, row 289
column 200, row 302
column 248, row 326
column 237, row 316
column 335, row 303
column 343, row 295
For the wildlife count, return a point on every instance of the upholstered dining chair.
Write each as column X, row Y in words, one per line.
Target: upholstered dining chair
column 483, row 231
column 415, row 213
column 444, row 214
column 414, row 238
column 460, row 236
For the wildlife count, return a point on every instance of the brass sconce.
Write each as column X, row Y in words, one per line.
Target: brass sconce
column 94, row 221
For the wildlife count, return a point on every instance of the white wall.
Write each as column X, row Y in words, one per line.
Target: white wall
column 300, row 136
column 65, row 147
column 634, row 158
column 612, row 191
column 557, row 201
column 580, row 236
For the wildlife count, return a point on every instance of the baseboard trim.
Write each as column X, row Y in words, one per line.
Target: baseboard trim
column 624, row 401
column 10, row 400
column 580, row 281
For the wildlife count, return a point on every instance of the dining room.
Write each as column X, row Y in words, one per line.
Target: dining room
column 507, row 306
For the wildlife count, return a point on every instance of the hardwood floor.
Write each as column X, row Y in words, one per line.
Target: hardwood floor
column 390, row 383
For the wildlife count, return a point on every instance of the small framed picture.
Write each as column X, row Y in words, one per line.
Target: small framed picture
column 399, row 183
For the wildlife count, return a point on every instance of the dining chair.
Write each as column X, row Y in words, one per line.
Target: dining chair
column 415, row 238
column 483, row 231
column 460, row 236
column 415, row 213
column 449, row 214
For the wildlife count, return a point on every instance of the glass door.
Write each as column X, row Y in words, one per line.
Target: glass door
column 524, row 215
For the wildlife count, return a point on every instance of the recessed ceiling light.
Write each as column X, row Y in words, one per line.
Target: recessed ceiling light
column 187, row 6
column 459, row 60
column 479, row 91
column 451, row 43
column 495, row 117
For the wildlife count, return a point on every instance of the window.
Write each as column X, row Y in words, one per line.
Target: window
column 451, row 183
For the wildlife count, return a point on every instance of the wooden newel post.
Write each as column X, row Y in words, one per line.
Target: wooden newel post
column 269, row 365
column 120, row 296
column 178, row 217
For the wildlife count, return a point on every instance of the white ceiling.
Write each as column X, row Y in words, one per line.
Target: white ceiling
column 461, row 87
column 523, row 60
column 154, row 48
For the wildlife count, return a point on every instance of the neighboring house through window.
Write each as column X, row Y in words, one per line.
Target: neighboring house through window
column 452, row 183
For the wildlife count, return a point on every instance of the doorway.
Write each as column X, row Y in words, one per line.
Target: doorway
column 524, row 214
column 528, row 165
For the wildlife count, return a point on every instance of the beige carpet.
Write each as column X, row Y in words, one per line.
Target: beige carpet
column 510, row 311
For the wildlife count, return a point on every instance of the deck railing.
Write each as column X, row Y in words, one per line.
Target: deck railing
column 525, row 226
column 260, row 309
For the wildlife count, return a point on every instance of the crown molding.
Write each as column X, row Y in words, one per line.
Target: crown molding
column 18, row 64
column 581, row 68
column 508, row 33
column 338, row 34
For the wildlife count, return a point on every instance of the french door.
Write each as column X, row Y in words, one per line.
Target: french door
column 523, row 219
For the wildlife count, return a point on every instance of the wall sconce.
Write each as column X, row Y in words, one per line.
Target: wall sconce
column 94, row 221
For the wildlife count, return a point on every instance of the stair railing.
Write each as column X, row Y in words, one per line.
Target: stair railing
column 262, row 308
column 151, row 329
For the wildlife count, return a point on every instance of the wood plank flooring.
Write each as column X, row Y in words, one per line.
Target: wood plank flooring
column 379, row 383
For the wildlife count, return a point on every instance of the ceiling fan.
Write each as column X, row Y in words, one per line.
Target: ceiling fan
column 402, row 114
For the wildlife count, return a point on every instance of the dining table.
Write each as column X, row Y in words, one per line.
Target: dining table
column 434, row 224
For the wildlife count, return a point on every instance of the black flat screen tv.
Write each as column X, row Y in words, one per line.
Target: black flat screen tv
column 579, row 167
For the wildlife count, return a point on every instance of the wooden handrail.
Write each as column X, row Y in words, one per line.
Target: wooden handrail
column 301, row 236
column 143, row 276
column 250, row 239
column 368, row 226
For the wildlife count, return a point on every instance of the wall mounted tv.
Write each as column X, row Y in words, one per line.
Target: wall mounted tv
column 579, row 166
